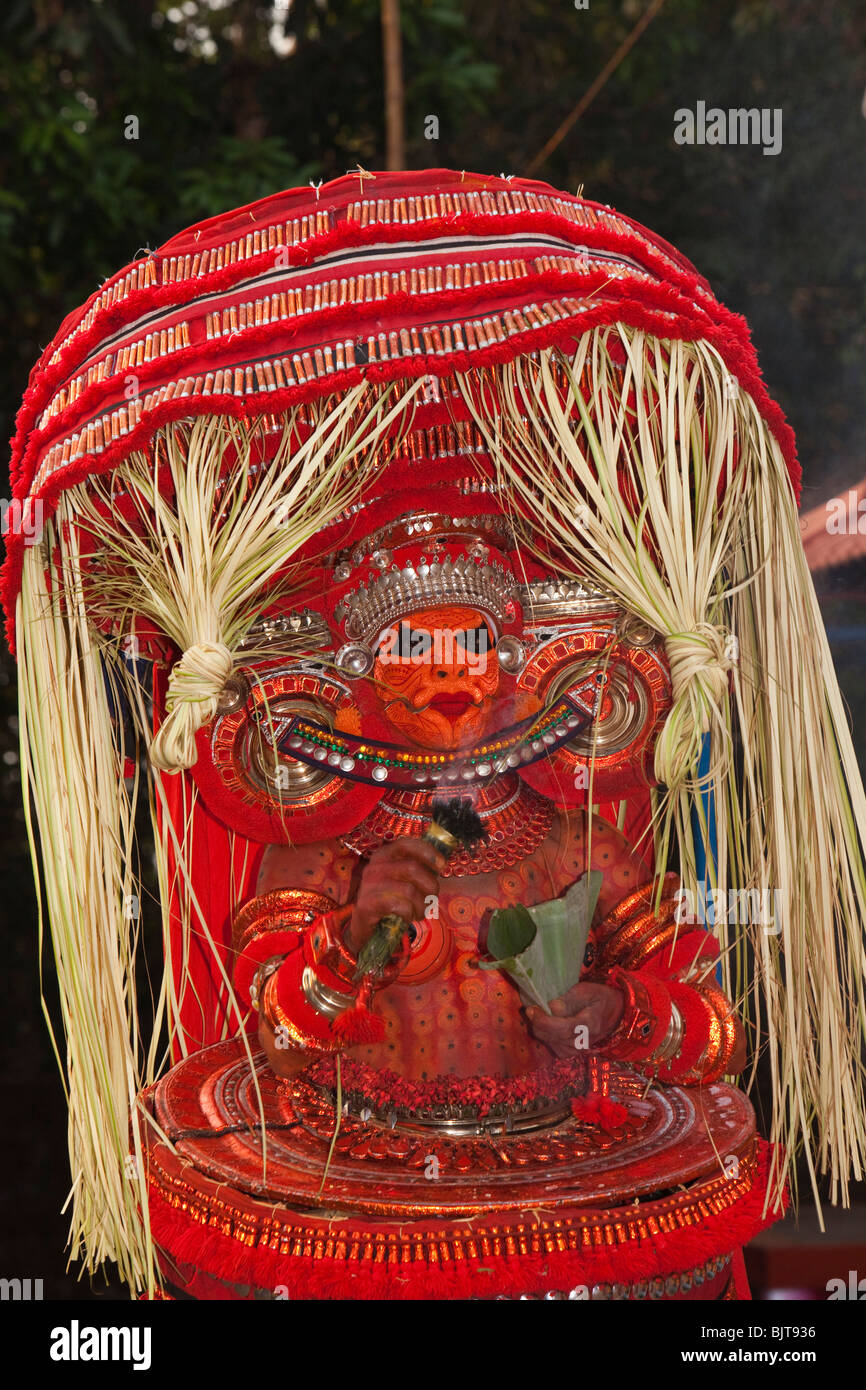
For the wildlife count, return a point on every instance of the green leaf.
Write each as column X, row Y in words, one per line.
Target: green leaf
column 511, row 931
column 522, row 978
column 542, row 947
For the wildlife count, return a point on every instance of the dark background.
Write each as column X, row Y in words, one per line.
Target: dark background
column 236, row 99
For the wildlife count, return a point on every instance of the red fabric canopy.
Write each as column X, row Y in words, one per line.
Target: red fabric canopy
column 392, row 275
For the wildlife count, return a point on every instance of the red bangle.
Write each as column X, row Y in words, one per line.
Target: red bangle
column 325, row 949
column 314, row 999
column 292, row 1008
column 723, row 1029
column 632, row 930
column 683, row 1066
column 694, row 950
column 257, row 953
column 273, row 924
column 646, row 1017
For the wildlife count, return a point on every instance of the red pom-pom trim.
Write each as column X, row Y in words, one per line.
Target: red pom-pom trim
column 599, row 1110
column 358, row 1025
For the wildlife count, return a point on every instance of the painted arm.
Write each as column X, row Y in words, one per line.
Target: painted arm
column 296, row 947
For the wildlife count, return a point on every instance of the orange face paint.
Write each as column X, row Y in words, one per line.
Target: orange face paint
column 437, row 676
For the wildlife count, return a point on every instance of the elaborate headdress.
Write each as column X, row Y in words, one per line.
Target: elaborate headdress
column 225, row 442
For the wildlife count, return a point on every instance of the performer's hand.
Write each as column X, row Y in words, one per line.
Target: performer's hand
column 398, row 878
column 597, row 1007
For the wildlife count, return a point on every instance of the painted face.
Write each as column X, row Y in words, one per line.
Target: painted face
column 437, row 675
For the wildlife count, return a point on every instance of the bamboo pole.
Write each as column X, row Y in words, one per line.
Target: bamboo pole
column 395, row 136
column 592, row 92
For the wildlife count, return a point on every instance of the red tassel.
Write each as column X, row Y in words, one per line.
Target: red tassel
column 187, row 1240
column 359, row 1025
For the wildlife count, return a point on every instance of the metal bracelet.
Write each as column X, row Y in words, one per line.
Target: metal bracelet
column 322, row 998
column 261, row 977
column 673, row 1038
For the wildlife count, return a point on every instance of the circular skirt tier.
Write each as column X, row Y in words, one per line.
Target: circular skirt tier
column 657, row 1205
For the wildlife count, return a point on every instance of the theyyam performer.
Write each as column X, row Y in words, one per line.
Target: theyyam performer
column 423, row 551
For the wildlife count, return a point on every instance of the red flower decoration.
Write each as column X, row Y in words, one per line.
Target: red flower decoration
column 599, row 1110
column 382, row 1090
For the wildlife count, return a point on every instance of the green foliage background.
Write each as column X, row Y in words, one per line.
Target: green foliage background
column 223, row 118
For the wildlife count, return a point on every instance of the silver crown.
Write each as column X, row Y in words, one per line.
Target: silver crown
column 370, row 608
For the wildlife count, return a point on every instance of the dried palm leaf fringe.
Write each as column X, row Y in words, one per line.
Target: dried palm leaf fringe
column 203, row 575
column 655, row 474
